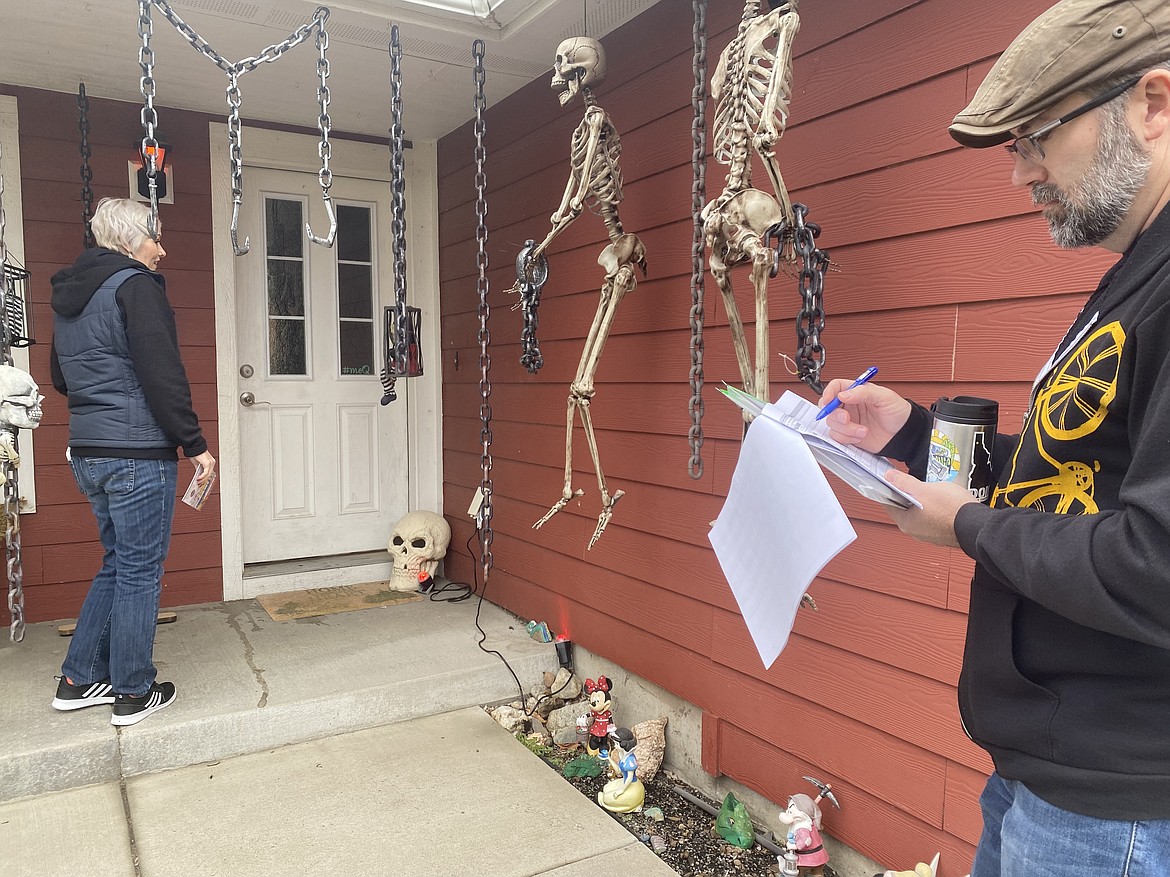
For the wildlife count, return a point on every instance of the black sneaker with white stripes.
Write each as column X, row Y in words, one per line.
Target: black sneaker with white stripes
column 78, row 697
column 129, row 709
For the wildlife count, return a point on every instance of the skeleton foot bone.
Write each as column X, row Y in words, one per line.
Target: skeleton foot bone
column 560, row 504
column 606, row 513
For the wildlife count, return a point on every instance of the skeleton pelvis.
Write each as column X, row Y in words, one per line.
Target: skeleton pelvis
column 626, row 250
column 738, row 226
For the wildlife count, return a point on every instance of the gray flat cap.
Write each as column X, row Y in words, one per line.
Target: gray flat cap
column 1074, row 46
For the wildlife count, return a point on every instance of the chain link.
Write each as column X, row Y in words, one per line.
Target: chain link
column 486, row 536
column 86, row 171
column 149, row 116
column 531, row 275
column 398, row 201
column 324, row 150
column 15, row 567
column 698, row 248
column 810, row 321
column 234, row 72
column 234, row 134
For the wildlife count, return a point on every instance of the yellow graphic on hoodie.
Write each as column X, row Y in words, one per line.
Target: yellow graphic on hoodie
column 1069, row 406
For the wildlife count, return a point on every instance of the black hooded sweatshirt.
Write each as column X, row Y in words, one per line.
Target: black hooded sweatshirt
column 1066, row 670
column 153, row 342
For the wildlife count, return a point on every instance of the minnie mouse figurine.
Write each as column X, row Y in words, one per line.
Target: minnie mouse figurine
column 601, row 711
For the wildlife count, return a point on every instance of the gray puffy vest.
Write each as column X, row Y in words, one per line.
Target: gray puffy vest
column 107, row 408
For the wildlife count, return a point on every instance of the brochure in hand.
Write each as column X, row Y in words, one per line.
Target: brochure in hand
column 861, row 470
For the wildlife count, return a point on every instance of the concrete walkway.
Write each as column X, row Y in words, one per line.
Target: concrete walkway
column 349, row 744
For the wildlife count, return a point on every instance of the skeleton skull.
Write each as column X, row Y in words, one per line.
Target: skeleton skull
column 20, row 399
column 580, row 64
column 418, row 543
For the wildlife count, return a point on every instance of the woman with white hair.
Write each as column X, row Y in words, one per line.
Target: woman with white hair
column 115, row 355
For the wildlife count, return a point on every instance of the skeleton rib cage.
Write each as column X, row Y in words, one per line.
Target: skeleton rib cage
column 752, row 87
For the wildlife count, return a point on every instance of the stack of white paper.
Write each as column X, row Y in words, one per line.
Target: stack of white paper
column 780, row 525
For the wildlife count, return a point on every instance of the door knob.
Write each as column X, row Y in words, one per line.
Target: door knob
column 247, row 399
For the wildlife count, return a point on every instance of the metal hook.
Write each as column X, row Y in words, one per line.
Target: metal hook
column 326, row 241
column 236, row 248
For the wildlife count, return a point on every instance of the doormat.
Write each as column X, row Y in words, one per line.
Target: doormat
column 290, row 605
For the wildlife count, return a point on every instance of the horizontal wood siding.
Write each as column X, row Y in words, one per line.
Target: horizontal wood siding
column 60, row 547
column 946, row 278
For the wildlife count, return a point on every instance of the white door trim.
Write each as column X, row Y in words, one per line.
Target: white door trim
column 363, row 161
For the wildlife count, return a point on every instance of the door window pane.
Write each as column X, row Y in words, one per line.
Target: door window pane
column 286, row 288
column 284, row 227
column 285, row 294
column 355, row 291
column 286, row 347
column 357, row 348
column 353, row 234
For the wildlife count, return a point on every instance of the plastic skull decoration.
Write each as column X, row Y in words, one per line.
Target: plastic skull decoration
column 20, row 399
column 418, row 543
column 580, row 64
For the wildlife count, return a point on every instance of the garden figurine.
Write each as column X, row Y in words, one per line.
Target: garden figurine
column 625, row 793
column 601, row 713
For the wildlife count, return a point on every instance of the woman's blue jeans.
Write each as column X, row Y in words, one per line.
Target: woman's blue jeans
column 1024, row 836
column 134, row 503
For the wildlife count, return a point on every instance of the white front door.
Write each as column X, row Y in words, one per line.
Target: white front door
column 323, row 465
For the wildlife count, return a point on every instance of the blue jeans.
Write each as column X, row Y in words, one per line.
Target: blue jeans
column 1024, row 836
column 134, row 503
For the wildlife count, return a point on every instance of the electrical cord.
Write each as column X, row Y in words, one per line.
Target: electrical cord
column 483, row 636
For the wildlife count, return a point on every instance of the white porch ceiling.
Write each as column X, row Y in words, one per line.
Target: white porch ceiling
column 55, row 44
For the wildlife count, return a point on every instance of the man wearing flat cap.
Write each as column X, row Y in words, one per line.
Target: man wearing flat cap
column 1066, row 671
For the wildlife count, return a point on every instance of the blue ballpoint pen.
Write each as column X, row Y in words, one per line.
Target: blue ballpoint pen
column 835, row 402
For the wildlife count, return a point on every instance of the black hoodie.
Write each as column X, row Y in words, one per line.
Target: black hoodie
column 153, row 343
column 1066, row 671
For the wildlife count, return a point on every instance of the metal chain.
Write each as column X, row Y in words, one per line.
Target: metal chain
column 234, row 72
column 324, row 176
column 398, row 201
column 810, row 321
column 698, row 248
column 486, row 536
column 201, row 45
column 86, row 171
column 237, row 160
column 15, row 567
column 149, row 116
column 530, row 279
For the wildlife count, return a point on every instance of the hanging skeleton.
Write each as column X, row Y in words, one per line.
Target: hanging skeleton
column 316, row 25
column 752, row 86
column 594, row 180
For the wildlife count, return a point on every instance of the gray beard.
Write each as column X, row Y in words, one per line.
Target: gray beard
column 1092, row 209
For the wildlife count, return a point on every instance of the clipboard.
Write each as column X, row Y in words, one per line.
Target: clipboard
column 861, row 470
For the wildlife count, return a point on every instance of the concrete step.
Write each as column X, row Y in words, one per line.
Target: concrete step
column 248, row 684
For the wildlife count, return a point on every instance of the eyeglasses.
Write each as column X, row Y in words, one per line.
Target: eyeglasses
column 1028, row 146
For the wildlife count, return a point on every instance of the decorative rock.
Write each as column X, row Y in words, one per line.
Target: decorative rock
column 657, row 843
column 651, row 737
column 566, row 686
column 510, row 718
column 654, row 813
column 562, row 722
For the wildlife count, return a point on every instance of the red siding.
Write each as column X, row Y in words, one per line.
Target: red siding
column 947, row 280
column 60, row 545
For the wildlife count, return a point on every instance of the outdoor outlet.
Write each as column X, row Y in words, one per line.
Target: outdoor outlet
column 473, row 510
column 565, row 653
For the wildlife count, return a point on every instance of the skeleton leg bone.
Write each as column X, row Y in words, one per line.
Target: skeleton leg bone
column 618, row 258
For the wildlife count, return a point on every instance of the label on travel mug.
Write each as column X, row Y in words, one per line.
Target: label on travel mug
column 961, row 442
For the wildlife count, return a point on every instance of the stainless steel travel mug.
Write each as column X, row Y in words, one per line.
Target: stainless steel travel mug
column 961, row 442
